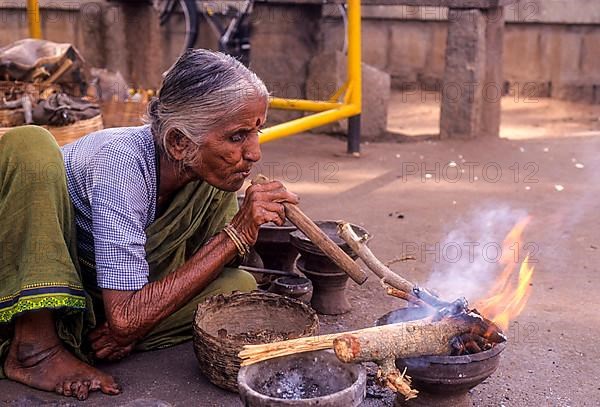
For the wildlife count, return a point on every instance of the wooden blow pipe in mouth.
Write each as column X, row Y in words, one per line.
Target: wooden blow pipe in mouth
column 319, row 238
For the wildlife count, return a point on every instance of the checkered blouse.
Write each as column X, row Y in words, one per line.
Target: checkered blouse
column 112, row 181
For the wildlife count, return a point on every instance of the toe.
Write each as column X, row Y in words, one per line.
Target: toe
column 83, row 391
column 67, row 388
column 75, row 388
column 110, row 387
column 59, row 388
column 95, row 384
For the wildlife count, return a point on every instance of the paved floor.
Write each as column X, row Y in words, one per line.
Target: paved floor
column 551, row 359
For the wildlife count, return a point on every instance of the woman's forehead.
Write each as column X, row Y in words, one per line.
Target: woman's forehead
column 251, row 115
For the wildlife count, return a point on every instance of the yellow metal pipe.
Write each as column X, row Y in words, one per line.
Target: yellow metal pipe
column 336, row 96
column 348, row 94
column 354, row 51
column 302, row 104
column 307, row 123
column 33, row 19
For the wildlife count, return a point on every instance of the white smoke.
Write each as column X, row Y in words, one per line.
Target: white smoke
column 469, row 261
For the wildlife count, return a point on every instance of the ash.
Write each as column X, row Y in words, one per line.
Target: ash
column 293, row 385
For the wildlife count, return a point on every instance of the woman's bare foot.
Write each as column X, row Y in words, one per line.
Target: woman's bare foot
column 38, row 359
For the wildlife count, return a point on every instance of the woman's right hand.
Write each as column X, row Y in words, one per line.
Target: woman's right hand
column 263, row 203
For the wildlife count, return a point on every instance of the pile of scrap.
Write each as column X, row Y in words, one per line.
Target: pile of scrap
column 45, row 83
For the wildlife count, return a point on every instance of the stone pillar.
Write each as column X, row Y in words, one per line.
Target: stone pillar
column 472, row 82
column 494, row 79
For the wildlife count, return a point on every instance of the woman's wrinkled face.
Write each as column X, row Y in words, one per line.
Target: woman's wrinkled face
column 227, row 154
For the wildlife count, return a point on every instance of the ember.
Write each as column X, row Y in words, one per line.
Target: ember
column 292, row 385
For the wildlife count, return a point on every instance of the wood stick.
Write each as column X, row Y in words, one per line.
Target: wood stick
column 59, row 72
column 358, row 246
column 320, row 239
column 251, row 354
column 380, row 344
column 394, row 292
column 418, row 338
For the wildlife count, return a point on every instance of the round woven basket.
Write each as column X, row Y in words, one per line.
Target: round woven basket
column 224, row 324
column 123, row 114
column 71, row 132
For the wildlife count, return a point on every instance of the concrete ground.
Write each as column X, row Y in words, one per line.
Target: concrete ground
column 551, row 358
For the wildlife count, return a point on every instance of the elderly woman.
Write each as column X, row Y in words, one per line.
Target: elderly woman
column 156, row 219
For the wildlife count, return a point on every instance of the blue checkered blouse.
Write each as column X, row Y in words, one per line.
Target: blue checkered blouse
column 112, row 181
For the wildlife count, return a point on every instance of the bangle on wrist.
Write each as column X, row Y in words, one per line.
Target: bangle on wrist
column 243, row 248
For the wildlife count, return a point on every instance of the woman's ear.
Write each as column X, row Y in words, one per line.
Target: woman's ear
column 177, row 144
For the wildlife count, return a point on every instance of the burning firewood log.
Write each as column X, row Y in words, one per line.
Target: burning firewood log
column 382, row 345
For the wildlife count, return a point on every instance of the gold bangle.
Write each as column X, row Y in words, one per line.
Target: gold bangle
column 234, row 239
column 242, row 247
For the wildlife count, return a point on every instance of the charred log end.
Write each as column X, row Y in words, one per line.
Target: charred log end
column 347, row 348
column 485, row 328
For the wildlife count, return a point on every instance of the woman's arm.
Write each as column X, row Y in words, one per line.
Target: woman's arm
column 132, row 314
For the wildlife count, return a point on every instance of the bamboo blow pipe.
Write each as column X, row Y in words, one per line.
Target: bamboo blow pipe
column 319, row 238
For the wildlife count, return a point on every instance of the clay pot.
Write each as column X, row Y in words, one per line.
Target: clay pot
column 274, row 247
column 295, row 287
column 443, row 380
column 329, row 281
column 305, row 379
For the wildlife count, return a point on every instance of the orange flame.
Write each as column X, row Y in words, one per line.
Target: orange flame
column 509, row 294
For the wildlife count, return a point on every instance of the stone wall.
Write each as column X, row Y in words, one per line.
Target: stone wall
column 551, row 46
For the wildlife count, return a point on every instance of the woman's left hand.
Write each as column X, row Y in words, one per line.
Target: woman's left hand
column 105, row 346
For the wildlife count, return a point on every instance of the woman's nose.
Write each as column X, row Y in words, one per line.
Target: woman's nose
column 252, row 150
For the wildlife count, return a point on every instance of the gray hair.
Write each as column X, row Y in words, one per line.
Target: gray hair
column 201, row 92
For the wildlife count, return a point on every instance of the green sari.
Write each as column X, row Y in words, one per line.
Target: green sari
column 39, row 267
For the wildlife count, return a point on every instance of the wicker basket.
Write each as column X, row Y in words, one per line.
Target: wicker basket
column 123, row 114
column 224, row 324
column 71, row 132
column 11, row 117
